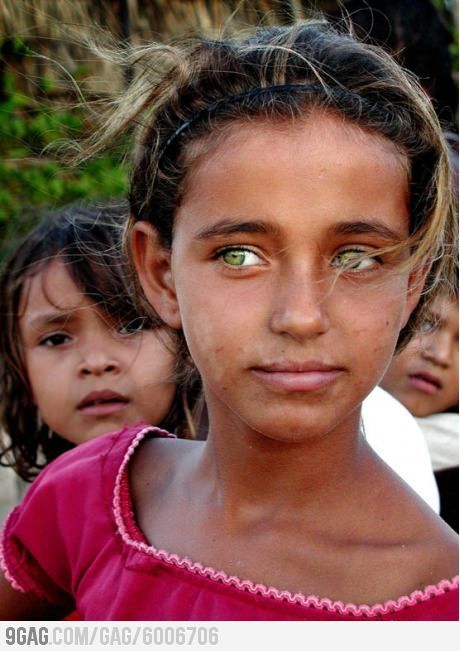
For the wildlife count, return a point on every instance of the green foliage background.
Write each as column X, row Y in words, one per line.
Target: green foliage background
column 32, row 175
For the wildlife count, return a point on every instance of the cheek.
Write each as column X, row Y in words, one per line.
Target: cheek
column 152, row 380
column 216, row 336
column 207, row 337
column 43, row 385
column 153, row 361
column 452, row 384
column 375, row 321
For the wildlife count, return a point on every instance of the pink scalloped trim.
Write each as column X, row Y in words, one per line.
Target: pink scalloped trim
column 248, row 586
column 3, row 566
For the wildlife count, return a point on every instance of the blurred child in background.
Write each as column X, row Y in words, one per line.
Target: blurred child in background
column 78, row 359
column 424, row 377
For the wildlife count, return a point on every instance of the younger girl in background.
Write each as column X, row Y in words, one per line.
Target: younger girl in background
column 287, row 194
column 77, row 359
column 424, row 377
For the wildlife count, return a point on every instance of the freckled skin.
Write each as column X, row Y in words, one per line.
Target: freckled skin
column 235, row 331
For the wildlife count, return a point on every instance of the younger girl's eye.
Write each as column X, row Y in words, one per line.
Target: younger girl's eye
column 133, row 326
column 428, row 325
column 239, row 257
column 55, row 339
column 354, row 260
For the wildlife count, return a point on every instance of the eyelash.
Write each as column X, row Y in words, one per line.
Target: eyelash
column 48, row 340
column 363, row 256
column 125, row 330
column 133, row 327
column 219, row 255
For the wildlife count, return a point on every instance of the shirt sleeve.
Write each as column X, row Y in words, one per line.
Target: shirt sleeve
column 34, row 553
column 49, row 541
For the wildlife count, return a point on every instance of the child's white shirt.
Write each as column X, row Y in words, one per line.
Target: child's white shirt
column 396, row 437
column 441, row 434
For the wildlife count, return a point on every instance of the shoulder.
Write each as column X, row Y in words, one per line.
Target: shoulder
column 162, row 459
column 66, row 516
column 161, row 468
column 81, row 462
column 79, row 480
column 426, row 550
column 436, row 544
column 411, row 547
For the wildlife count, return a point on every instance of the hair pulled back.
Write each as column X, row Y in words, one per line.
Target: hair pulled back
column 184, row 95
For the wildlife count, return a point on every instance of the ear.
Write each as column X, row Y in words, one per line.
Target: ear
column 415, row 286
column 153, row 266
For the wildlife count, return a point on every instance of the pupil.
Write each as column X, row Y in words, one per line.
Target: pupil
column 234, row 258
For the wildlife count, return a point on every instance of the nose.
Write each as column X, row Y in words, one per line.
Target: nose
column 300, row 306
column 438, row 349
column 98, row 358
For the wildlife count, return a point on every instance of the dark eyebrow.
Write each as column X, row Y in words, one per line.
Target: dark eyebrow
column 362, row 227
column 359, row 227
column 228, row 227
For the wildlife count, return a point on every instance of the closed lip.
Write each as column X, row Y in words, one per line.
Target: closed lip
column 426, row 381
column 97, row 398
column 296, row 366
column 297, row 376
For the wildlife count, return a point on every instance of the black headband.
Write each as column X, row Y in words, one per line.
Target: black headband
column 337, row 94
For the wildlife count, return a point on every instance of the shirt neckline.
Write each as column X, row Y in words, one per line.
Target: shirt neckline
column 134, row 538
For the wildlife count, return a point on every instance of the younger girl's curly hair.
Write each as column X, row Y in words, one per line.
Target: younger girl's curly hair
column 87, row 238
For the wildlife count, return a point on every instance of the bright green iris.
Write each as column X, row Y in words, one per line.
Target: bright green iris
column 234, row 257
column 353, row 260
column 348, row 257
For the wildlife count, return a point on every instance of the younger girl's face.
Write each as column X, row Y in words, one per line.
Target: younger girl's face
column 424, row 376
column 289, row 327
column 87, row 376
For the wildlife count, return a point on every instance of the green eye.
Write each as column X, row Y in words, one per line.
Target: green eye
column 354, row 260
column 239, row 257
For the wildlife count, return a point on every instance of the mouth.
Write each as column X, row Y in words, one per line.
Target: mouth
column 102, row 403
column 425, row 382
column 297, row 377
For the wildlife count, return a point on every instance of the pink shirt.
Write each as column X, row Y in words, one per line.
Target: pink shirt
column 73, row 540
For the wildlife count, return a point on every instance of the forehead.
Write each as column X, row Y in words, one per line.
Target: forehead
column 51, row 287
column 294, row 161
column 446, row 309
column 326, row 124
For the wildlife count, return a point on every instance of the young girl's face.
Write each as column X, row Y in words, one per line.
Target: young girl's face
column 424, row 376
column 87, row 376
column 285, row 345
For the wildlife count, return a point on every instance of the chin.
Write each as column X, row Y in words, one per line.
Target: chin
column 93, row 433
column 293, row 432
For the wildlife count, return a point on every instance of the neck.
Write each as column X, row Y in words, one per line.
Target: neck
column 248, row 470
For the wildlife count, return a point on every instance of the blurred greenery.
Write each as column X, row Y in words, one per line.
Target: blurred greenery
column 32, row 176
column 449, row 10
